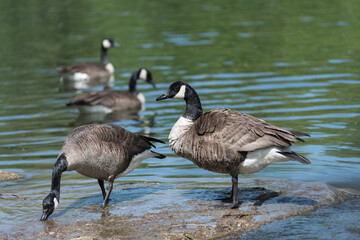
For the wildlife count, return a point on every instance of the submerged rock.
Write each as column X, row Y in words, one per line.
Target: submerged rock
column 8, row 176
column 190, row 211
column 339, row 220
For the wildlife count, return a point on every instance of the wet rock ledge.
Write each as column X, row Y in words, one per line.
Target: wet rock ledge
column 201, row 215
column 8, row 176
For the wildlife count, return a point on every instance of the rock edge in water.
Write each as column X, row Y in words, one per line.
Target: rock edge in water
column 192, row 211
column 9, row 176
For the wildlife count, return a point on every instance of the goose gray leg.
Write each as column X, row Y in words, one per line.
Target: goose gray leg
column 101, row 184
column 235, row 192
column 110, row 187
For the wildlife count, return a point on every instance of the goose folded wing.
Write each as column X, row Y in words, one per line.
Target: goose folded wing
column 81, row 67
column 240, row 131
column 125, row 100
column 94, row 98
column 120, row 138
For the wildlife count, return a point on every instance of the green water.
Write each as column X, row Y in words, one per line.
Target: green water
column 293, row 63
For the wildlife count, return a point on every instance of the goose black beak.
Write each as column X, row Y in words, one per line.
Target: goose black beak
column 44, row 216
column 117, row 45
column 153, row 84
column 162, row 97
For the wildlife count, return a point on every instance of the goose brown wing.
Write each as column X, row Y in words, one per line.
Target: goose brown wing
column 240, row 131
column 119, row 137
column 82, row 67
column 92, row 99
column 110, row 139
column 110, row 146
column 108, row 98
column 125, row 100
column 123, row 140
column 93, row 70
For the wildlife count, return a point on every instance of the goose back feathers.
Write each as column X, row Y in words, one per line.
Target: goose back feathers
column 86, row 71
column 99, row 151
column 111, row 99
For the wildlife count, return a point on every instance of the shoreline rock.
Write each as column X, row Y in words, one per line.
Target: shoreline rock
column 9, row 176
column 198, row 215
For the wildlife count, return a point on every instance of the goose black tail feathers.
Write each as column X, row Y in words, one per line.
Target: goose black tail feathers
column 295, row 156
column 301, row 134
column 150, row 139
column 158, row 155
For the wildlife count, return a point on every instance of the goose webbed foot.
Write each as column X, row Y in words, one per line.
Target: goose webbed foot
column 235, row 205
column 100, row 208
column 103, row 204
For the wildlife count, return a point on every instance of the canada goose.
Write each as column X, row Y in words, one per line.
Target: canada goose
column 104, row 152
column 226, row 141
column 111, row 100
column 88, row 70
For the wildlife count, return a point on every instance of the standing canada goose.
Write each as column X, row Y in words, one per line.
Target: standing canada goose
column 88, row 70
column 104, row 152
column 226, row 141
column 111, row 100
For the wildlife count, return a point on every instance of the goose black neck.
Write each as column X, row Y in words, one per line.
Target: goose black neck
column 193, row 104
column 104, row 59
column 59, row 167
column 132, row 83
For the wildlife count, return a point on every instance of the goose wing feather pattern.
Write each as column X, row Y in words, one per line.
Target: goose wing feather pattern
column 103, row 147
column 121, row 100
column 241, row 131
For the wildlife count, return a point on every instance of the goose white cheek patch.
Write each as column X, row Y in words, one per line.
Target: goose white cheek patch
column 56, row 202
column 106, row 43
column 181, row 93
column 142, row 74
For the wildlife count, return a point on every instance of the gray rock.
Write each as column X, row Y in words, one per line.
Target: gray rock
column 8, row 176
column 190, row 210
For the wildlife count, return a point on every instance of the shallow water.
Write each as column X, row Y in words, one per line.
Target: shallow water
column 292, row 63
column 325, row 223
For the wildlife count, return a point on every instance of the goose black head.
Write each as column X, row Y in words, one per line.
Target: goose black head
column 146, row 76
column 50, row 203
column 177, row 90
column 108, row 43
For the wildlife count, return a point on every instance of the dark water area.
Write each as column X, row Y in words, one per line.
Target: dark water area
column 294, row 64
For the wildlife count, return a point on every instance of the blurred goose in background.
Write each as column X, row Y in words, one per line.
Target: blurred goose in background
column 103, row 152
column 87, row 71
column 107, row 101
column 226, row 141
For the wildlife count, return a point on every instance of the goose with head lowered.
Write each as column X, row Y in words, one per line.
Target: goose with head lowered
column 103, row 152
column 113, row 100
column 226, row 141
column 87, row 71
